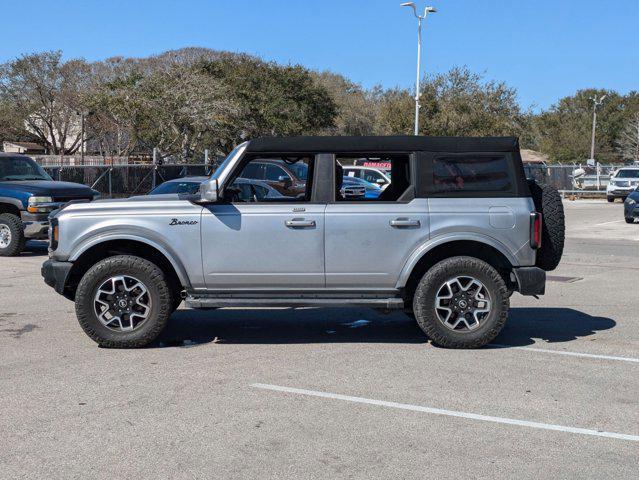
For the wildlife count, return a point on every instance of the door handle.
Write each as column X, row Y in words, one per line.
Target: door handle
column 299, row 223
column 405, row 223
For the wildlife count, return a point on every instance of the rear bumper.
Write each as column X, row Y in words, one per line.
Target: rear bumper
column 530, row 280
column 36, row 225
column 55, row 274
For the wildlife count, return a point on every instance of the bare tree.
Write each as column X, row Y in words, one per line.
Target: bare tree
column 47, row 95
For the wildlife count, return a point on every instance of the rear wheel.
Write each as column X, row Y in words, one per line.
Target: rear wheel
column 630, row 220
column 610, row 199
column 11, row 235
column 123, row 302
column 461, row 302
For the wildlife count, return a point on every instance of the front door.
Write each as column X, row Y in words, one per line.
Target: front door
column 262, row 240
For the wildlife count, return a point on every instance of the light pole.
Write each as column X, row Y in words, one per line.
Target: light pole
column 595, row 103
column 427, row 10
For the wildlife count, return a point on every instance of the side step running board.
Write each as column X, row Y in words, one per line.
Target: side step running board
column 221, row 302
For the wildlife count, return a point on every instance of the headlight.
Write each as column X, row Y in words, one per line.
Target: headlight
column 630, row 201
column 40, row 204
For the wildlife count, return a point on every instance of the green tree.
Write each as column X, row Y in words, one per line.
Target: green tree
column 565, row 129
column 273, row 100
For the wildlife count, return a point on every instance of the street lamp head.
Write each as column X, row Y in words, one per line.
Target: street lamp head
column 430, row 10
column 411, row 5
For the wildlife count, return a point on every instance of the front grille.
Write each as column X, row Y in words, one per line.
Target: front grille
column 350, row 192
column 622, row 183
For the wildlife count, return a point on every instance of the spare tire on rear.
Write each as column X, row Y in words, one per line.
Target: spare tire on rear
column 548, row 203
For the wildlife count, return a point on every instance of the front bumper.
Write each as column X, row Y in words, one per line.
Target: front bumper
column 619, row 191
column 35, row 225
column 55, row 274
column 530, row 280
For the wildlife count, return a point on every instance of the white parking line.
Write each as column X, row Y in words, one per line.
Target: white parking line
column 608, row 223
column 449, row 413
column 572, row 354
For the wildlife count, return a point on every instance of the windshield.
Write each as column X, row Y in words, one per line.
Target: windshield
column 21, row 168
column 226, row 162
column 627, row 174
column 177, row 187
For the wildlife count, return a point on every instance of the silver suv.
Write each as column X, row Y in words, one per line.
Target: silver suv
column 456, row 232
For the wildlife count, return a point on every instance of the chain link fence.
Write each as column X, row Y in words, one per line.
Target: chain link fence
column 116, row 181
column 573, row 179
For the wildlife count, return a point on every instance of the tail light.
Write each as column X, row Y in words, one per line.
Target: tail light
column 535, row 230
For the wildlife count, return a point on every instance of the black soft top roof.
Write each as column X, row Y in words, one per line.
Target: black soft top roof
column 400, row 143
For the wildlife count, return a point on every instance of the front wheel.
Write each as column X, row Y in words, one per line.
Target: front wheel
column 123, row 302
column 11, row 235
column 610, row 199
column 630, row 220
column 461, row 302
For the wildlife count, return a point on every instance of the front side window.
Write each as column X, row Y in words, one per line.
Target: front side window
column 268, row 180
column 471, row 173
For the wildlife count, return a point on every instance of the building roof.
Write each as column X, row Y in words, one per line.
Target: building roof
column 27, row 145
column 404, row 143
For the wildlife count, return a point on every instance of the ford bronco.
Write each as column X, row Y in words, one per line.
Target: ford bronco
column 455, row 233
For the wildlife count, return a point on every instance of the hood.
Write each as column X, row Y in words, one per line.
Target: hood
column 48, row 188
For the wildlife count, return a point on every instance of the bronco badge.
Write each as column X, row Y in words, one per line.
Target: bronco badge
column 175, row 221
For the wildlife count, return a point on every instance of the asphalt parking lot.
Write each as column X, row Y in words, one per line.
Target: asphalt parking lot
column 323, row 393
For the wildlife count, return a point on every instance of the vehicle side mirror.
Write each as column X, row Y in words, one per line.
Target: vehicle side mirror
column 380, row 181
column 286, row 180
column 208, row 192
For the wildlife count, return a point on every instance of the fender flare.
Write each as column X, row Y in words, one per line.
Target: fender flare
column 432, row 243
column 13, row 201
column 165, row 250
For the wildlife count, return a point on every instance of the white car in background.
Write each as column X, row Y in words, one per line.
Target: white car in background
column 370, row 174
column 623, row 182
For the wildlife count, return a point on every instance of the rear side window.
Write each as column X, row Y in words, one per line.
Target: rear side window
column 472, row 174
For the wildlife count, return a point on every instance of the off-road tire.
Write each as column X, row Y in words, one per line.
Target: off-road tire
column 16, row 245
column 435, row 277
column 610, row 199
column 630, row 220
column 548, row 202
column 159, row 291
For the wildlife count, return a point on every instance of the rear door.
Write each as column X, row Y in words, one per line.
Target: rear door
column 369, row 241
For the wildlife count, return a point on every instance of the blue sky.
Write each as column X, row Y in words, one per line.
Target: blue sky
column 545, row 48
